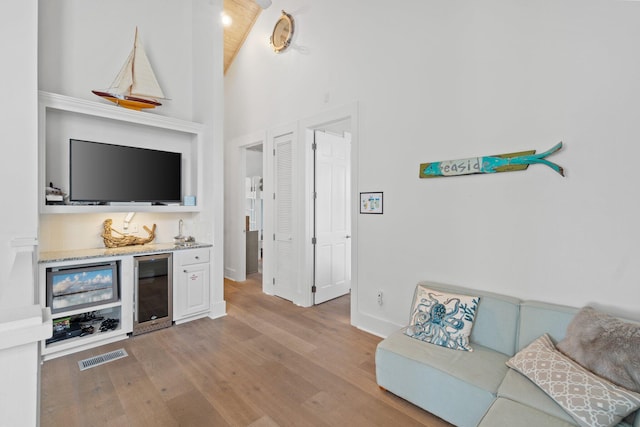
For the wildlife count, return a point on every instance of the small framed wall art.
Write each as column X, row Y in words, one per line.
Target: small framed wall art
column 371, row 203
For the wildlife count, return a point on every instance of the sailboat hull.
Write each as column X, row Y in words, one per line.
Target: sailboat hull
column 131, row 102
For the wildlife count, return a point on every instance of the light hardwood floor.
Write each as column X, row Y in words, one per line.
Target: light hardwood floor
column 267, row 363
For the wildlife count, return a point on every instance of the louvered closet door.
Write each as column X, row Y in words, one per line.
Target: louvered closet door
column 284, row 217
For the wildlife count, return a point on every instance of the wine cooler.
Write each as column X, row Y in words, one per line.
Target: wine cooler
column 153, row 308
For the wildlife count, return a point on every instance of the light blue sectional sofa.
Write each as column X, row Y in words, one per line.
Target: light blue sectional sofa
column 477, row 388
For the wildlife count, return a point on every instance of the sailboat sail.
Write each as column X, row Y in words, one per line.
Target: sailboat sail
column 136, row 85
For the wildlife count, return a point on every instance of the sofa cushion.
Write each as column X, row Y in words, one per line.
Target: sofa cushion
column 538, row 318
column 519, row 388
column 505, row 412
column 605, row 345
column 496, row 322
column 442, row 318
column 484, row 368
column 457, row 386
column 591, row 401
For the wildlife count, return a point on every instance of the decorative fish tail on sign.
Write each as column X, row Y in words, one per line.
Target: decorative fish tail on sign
column 490, row 164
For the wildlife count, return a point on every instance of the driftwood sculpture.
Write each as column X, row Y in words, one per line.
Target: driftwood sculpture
column 111, row 241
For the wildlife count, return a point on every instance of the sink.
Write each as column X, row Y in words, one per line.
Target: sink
column 182, row 241
column 188, row 242
column 186, row 245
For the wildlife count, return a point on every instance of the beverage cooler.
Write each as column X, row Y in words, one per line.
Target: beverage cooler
column 153, row 306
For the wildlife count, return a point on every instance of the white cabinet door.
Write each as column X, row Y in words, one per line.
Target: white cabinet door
column 194, row 289
column 192, row 284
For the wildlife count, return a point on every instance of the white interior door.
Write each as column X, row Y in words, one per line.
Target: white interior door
column 332, row 259
column 284, row 262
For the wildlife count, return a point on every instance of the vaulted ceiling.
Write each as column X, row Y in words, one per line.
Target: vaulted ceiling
column 243, row 14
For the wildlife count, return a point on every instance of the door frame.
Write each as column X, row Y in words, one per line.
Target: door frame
column 303, row 193
column 324, row 122
column 236, row 243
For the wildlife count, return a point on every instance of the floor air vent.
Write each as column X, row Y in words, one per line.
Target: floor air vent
column 101, row 359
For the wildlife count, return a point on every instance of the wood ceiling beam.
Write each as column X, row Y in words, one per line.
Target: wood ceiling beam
column 243, row 14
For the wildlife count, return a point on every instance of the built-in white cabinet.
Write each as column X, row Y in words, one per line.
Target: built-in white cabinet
column 192, row 287
column 190, row 293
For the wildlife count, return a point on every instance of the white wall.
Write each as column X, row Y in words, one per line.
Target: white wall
column 19, row 226
column 18, row 163
column 83, row 45
column 254, row 163
column 207, row 87
column 438, row 80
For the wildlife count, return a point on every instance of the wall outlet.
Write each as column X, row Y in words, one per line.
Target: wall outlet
column 379, row 297
column 132, row 229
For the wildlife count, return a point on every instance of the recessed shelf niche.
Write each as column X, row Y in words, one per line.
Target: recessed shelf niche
column 62, row 118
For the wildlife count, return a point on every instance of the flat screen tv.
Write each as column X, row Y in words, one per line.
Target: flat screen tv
column 83, row 286
column 104, row 173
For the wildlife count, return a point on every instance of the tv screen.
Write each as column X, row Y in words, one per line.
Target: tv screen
column 79, row 287
column 103, row 173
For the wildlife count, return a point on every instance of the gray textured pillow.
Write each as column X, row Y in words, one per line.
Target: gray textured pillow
column 605, row 345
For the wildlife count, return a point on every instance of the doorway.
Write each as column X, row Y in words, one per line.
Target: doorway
column 290, row 259
column 243, row 203
column 311, row 257
column 253, row 209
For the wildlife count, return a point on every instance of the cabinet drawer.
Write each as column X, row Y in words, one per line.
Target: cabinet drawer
column 194, row 256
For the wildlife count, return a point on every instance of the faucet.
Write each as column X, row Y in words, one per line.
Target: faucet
column 181, row 239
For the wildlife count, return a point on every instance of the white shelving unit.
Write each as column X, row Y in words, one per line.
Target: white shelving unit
column 62, row 117
column 120, row 309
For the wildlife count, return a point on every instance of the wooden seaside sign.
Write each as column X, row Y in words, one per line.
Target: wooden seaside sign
column 490, row 164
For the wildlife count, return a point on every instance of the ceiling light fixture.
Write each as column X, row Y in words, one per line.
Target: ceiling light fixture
column 226, row 19
column 263, row 3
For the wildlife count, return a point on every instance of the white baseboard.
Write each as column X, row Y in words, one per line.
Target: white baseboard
column 374, row 325
column 219, row 309
column 229, row 273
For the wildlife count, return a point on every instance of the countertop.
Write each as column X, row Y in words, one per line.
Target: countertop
column 81, row 254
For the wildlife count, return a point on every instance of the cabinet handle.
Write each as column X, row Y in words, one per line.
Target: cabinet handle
column 185, row 271
column 135, row 296
column 197, row 257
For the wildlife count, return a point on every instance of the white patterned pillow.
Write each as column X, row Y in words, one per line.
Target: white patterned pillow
column 591, row 400
column 441, row 318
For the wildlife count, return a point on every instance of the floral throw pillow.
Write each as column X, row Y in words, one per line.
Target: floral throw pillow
column 442, row 318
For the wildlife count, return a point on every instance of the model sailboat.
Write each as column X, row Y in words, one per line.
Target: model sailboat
column 135, row 86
